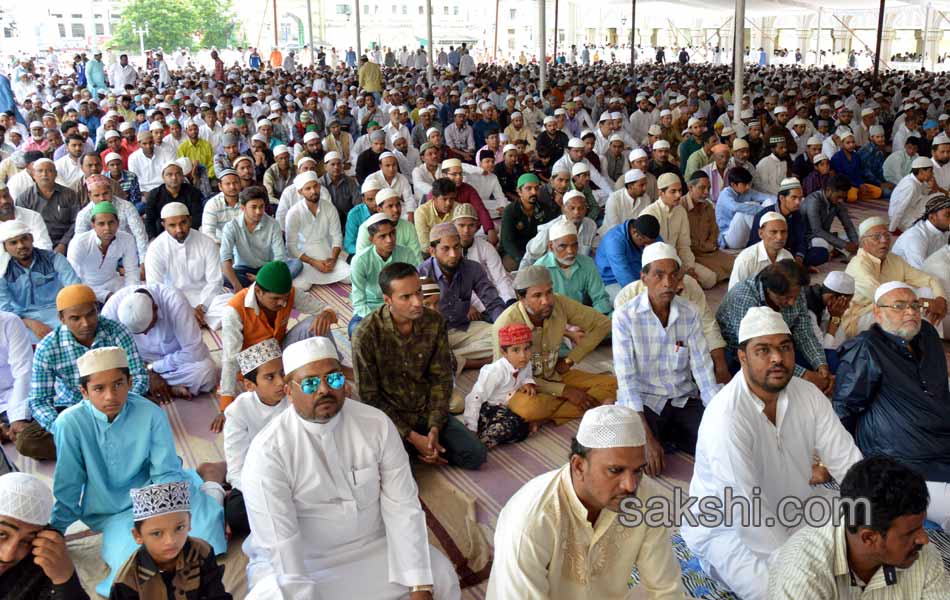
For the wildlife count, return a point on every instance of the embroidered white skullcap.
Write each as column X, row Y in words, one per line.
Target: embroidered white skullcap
column 760, row 321
column 771, row 216
column 432, row 130
column 385, row 194
column 548, row 119
column 611, row 426
column 112, row 133
column 633, row 175
column 135, row 312
column 941, row 138
column 509, row 148
column 814, row 141
column 636, row 154
column 281, row 149
column 573, row 194
column 111, row 157
column 579, row 168
column 575, row 143
column 819, row 157
column 666, row 180
column 307, row 351
column 922, row 162
column 386, row 155
column 659, row 251
column 370, row 184
column 26, row 498
column 840, row 282
column 175, row 209
column 376, row 218
column 789, row 183
column 102, row 359
column 740, row 144
column 310, row 135
column 661, row 144
column 451, row 163
column 890, row 286
column 160, row 499
column 561, row 229
column 870, row 223
column 879, row 130
column 331, row 156
column 304, row 178
column 254, row 356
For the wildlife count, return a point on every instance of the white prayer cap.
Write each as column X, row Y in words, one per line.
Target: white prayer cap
column 560, row 111
column 112, row 133
column 25, row 498
column 102, row 359
column 813, row 141
column 185, row 163
column 509, row 148
column 35, row 124
column 740, row 144
column 659, row 251
column 370, row 184
column 376, row 218
column 281, row 149
column 575, row 143
column 304, row 178
column 174, row 209
column 760, row 321
column 135, row 311
column 789, row 183
column 770, row 216
column 890, row 286
column 922, row 162
column 661, row 144
column 839, row 282
column 611, row 426
column 941, row 138
column 843, row 135
column 171, row 163
column 633, row 175
column 870, row 223
column 867, row 112
column 385, row 155
column 460, row 111
column 579, row 168
column 258, row 138
column 254, row 356
column 303, row 160
column 263, row 123
column 385, row 194
column 111, row 157
column 573, row 194
column 561, row 229
column 310, row 135
column 125, row 125
column 160, row 499
column 307, row 351
column 692, row 121
column 665, row 112
column 636, row 154
column 819, row 157
column 156, row 126
column 432, row 130
column 614, row 137
column 12, row 229
column 331, row 156
column 451, row 163
column 548, row 119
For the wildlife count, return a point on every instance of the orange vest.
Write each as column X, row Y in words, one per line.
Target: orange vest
column 256, row 327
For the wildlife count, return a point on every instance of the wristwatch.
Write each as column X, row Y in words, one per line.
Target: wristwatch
column 835, row 320
column 420, row 588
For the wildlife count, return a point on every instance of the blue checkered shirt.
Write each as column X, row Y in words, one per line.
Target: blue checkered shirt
column 749, row 293
column 55, row 381
column 655, row 364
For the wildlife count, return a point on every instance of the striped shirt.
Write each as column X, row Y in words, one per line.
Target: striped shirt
column 814, row 564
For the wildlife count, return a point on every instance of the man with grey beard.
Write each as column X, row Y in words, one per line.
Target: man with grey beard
column 892, row 394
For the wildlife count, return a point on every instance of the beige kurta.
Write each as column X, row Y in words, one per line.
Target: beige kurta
column 674, row 229
column 869, row 273
column 704, row 239
column 546, row 548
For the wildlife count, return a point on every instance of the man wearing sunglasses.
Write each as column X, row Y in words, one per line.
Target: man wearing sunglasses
column 314, row 482
column 892, row 393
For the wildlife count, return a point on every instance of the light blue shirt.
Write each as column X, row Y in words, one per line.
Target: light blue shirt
column 252, row 248
column 729, row 203
column 31, row 292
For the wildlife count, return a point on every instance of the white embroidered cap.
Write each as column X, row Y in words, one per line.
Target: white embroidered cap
column 761, row 321
column 25, row 498
column 561, row 229
column 307, row 351
column 839, row 282
column 611, row 426
column 890, row 286
column 659, row 251
column 102, row 359
column 160, row 499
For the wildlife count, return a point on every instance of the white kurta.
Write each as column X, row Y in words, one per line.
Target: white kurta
column 919, row 242
column 769, row 174
column 290, row 198
column 739, row 448
column 68, row 171
column 400, row 185
column 907, row 203
column 336, row 502
column 752, row 261
column 100, row 272
column 538, row 245
column 173, row 346
column 16, row 366
column 193, row 268
column 621, row 207
column 130, row 221
column 245, row 417
column 315, row 235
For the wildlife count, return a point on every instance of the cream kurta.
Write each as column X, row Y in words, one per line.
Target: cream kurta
column 621, row 207
column 869, row 273
column 315, row 235
column 545, row 548
column 674, row 229
column 336, row 503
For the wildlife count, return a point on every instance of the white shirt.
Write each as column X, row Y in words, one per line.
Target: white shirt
column 482, row 252
column 37, row 226
column 313, row 234
column 739, row 448
column 174, row 342
column 290, row 198
column 942, row 174
column 422, row 181
column 497, row 382
column 408, row 161
column 68, row 171
column 130, row 221
column 938, row 265
column 753, row 260
column 487, row 186
column 400, row 185
column 769, row 174
column 538, row 245
column 639, row 124
column 16, row 366
column 907, row 202
column 919, row 242
column 244, row 418
column 120, row 76
column 595, row 176
column 19, row 184
column 99, row 271
column 621, row 207
column 192, row 267
column 323, row 494
column 148, row 170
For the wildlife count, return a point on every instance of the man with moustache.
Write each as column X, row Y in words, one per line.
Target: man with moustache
column 892, row 392
column 763, row 422
column 520, row 220
column 573, row 274
column 330, row 496
column 480, row 250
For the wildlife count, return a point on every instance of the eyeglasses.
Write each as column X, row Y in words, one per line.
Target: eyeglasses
column 310, row 385
column 902, row 306
column 879, row 237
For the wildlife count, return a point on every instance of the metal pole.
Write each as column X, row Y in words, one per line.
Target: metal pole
column 359, row 45
column 556, row 5
column 818, row 40
column 923, row 53
column 275, row 23
column 494, row 53
column 542, row 49
column 877, row 48
column 430, row 68
column 738, row 59
column 633, row 35
column 310, row 29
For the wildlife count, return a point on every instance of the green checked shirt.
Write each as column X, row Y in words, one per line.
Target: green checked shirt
column 55, row 382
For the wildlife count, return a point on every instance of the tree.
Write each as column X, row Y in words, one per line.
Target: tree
column 175, row 23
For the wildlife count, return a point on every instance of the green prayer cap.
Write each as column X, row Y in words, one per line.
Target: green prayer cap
column 103, row 207
column 528, row 178
column 372, row 124
column 275, row 277
column 239, row 122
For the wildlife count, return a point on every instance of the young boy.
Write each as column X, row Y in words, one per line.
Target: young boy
column 114, row 441
column 263, row 372
column 486, row 406
column 169, row 564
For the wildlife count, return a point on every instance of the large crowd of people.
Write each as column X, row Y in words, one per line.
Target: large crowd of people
column 486, row 225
